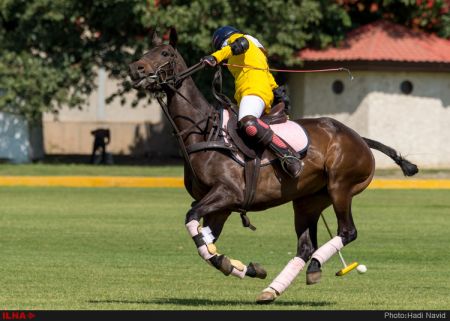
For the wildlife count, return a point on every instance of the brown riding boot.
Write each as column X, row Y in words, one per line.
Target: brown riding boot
column 290, row 160
column 260, row 133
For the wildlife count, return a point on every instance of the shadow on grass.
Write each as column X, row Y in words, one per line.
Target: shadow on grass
column 209, row 302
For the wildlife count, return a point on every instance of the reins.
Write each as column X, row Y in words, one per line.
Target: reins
column 188, row 72
column 178, row 136
column 173, row 82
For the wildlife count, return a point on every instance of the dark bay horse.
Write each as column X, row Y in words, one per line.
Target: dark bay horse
column 339, row 164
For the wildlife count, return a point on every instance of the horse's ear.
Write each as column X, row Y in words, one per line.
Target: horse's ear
column 173, row 37
column 154, row 38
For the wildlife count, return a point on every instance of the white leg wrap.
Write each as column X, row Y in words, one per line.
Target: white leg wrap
column 327, row 250
column 239, row 274
column 204, row 253
column 192, row 227
column 289, row 273
column 269, row 289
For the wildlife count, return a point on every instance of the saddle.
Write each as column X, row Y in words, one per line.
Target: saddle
column 277, row 115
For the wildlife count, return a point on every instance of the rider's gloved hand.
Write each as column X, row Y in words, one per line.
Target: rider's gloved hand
column 209, row 61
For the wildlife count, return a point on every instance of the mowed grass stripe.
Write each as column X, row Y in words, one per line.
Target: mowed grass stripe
column 177, row 182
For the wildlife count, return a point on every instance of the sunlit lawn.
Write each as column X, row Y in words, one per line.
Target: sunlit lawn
column 125, row 248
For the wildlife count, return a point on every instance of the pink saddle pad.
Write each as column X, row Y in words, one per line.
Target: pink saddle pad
column 292, row 133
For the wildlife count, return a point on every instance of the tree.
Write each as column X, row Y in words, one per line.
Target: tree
column 283, row 26
column 49, row 49
column 429, row 15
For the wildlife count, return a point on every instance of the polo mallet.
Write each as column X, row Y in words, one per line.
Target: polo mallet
column 347, row 268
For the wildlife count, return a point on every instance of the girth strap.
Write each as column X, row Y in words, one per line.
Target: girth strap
column 251, row 174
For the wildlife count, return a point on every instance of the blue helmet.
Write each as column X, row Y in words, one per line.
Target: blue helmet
column 221, row 34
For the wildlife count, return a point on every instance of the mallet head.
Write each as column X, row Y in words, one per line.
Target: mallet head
column 347, row 269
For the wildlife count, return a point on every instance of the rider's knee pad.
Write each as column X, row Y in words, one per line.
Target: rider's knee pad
column 256, row 129
column 246, row 122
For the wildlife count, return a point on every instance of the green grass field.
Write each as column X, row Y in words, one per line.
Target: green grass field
column 124, row 248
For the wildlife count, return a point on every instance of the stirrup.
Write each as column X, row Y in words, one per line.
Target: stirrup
column 284, row 159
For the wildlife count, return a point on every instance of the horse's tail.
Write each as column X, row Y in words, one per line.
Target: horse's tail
column 408, row 168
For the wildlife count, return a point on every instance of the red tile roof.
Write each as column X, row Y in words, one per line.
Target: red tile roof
column 385, row 41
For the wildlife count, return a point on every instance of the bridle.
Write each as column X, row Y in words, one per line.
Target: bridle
column 165, row 78
column 164, row 75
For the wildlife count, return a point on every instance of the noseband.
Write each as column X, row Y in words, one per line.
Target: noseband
column 165, row 76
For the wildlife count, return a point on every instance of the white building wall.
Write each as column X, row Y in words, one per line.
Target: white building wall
column 417, row 125
column 14, row 142
column 134, row 130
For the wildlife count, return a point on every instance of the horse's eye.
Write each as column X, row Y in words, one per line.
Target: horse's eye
column 165, row 53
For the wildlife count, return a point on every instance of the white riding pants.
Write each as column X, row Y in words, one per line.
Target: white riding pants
column 251, row 105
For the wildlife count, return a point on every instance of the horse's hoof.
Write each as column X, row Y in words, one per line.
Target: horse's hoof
column 255, row 270
column 313, row 277
column 313, row 273
column 267, row 296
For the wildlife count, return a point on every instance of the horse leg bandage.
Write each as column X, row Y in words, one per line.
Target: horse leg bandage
column 193, row 228
column 203, row 239
column 289, row 273
column 206, row 249
column 239, row 269
column 326, row 251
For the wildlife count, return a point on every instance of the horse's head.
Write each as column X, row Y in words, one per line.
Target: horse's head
column 158, row 66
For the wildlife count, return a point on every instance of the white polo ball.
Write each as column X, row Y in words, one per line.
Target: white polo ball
column 361, row 268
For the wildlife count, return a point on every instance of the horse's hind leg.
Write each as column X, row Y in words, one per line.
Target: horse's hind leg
column 307, row 212
column 342, row 200
column 350, row 167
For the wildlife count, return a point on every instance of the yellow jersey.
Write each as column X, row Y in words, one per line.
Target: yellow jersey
column 248, row 81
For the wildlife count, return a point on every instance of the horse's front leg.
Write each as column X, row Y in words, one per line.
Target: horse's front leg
column 215, row 222
column 290, row 271
column 214, row 209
